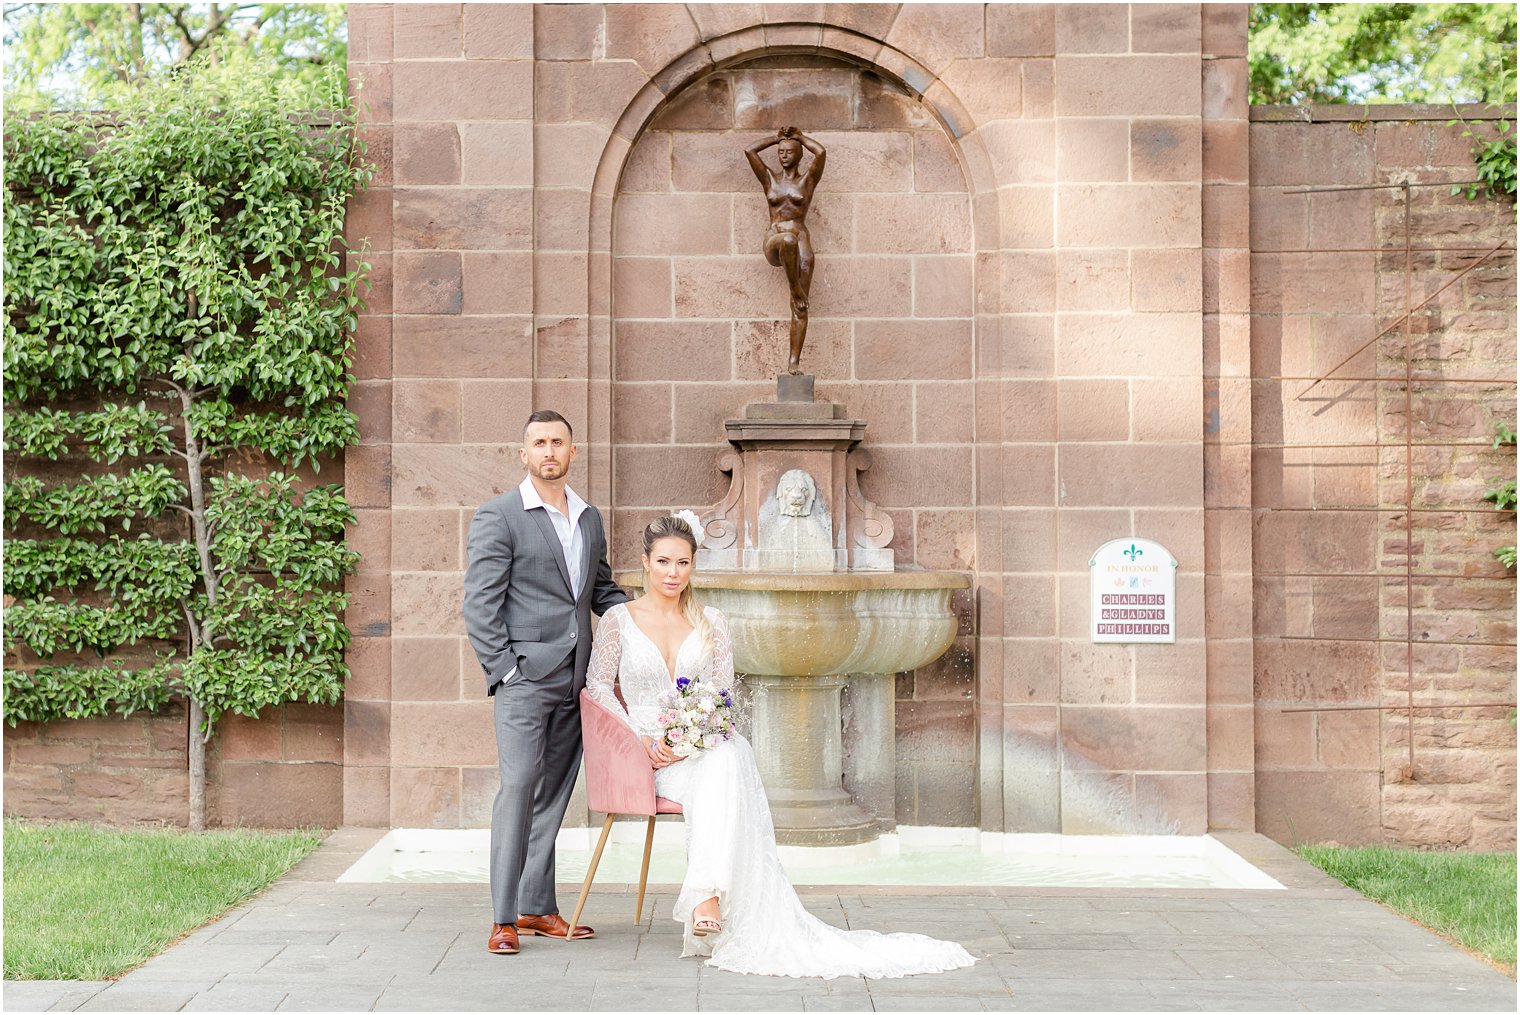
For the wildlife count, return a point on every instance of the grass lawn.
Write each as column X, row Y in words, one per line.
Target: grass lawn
column 1468, row 898
column 86, row 903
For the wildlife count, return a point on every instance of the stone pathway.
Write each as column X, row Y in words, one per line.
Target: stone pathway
column 309, row 944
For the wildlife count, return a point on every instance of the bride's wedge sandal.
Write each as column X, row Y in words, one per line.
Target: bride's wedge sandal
column 701, row 926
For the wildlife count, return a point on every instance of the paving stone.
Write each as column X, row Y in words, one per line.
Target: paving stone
column 50, row 995
column 219, row 998
column 120, row 997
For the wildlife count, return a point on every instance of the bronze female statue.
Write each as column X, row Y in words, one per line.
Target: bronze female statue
column 790, row 194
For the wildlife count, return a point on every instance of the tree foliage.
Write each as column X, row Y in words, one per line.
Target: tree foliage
column 92, row 55
column 179, row 302
column 1452, row 52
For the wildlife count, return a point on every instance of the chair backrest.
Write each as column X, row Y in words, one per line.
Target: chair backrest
column 618, row 777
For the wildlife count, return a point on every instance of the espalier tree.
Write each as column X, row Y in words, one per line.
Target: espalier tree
column 177, row 320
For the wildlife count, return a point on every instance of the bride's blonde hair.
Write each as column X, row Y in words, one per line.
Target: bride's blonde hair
column 670, row 526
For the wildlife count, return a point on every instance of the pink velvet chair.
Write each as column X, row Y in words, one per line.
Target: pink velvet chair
column 618, row 781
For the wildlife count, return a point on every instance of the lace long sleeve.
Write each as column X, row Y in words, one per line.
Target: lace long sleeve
column 602, row 672
column 722, row 652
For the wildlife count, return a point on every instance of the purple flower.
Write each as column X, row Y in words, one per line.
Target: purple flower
column 681, row 683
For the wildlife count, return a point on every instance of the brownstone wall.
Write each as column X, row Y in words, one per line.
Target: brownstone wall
column 1332, row 606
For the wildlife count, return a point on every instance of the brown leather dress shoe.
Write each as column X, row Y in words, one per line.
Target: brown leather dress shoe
column 503, row 939
column 552, row 925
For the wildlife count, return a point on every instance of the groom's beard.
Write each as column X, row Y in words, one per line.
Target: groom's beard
column 550, row 472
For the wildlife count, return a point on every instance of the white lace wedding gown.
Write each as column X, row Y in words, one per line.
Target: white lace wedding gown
column 730, row 842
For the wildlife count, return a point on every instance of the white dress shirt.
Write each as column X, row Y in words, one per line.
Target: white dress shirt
column 567, row 528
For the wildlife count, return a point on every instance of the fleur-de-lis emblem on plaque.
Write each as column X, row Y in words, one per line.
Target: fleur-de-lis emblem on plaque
column 1133, row 553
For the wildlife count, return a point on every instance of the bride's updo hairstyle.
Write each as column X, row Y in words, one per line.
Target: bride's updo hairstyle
column 667, row 527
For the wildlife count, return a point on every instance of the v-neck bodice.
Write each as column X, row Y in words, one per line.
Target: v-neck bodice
column 671, row 668
column 632, row 660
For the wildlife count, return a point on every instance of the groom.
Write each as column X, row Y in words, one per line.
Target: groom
column 538, row 570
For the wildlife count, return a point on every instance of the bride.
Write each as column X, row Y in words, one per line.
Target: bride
column 736, row 902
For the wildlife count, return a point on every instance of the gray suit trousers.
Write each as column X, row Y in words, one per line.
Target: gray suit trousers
column 538, row 748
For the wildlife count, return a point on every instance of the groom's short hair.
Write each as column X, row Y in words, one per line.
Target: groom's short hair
column 546, row 416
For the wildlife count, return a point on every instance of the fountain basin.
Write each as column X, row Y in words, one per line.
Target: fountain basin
column 799, row 639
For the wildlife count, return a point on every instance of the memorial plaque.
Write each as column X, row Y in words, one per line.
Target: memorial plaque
column 1134, row 592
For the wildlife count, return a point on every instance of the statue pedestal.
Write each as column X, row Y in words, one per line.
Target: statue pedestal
column 770, row 441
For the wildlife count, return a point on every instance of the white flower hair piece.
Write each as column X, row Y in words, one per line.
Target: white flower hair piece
column 690, row 518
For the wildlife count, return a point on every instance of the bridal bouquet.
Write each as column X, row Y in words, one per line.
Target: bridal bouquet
column 695, row 716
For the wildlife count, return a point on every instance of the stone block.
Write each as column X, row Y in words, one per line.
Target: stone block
column 494, row 411
column 463, row 90
column 942, row 412
column 427, row 603
column 496, row 154
column 912, row 224
column 1164, row 150
column 1284, row 739
column 648, row 169
column 650, row 350
column 1226, row 151
column 666, row 477
column 642, row 287
column 1021, row 30
column 1306, row 806
column 819, row 99
column 274, row 795
column 1130, row 345
column 1127, row 86
column 370, row 402
column 1173, row 801
column 888, row 407
column 912, row 350
column 1092, row 280
column 1093, row 674
column 1168, row 280
column 1349, row 740
column 561, row 219
column 1317, row 672
column 366, row 796
column 368, row 219
column 1092, row 410
column 1226, row 89
column 1092, row 28
column 1026, row 216
column 1232, row 737
column 427, row 31
column 1107, row 475
column 942, row 731
column 436, row 475
column 428, row 283
column 425, row 797
column 313, row 733
column 372, row 348
column 937, row 34
column 426, row 540
column 935, row 167
column 703, row 105
column 642, row 413
column 497, row 283
column 1297, row 154
column 1129, row 215
column 760, row 349
column 498, row 31
column 370, row 29
column 665, row 224
column 729, row 287
column 1225, row 28
column 438, row 733
column 369, row 669
column 567, row 31
column 653, row 35
column 1020, row 151
column 464, row 219
column 1166, row 409
column 1165, row 28
column 370, row 86
column 1027, row 409
column 942, row 286
column 990, row 89
column 881, row 104
column 462, row 347
column 478, row 788
column 1163, row 738
column 1089, row 149
column 428, row 669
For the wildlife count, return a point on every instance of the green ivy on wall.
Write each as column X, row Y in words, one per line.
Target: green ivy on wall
column 179, row 305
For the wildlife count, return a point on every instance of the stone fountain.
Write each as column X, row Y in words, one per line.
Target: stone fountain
column 802, row 565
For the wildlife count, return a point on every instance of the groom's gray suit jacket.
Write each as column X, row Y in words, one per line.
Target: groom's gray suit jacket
column 518, row 607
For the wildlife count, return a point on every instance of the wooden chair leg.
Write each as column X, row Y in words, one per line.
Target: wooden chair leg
column 638, row 907
column 596, row 858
